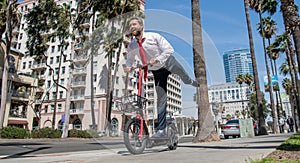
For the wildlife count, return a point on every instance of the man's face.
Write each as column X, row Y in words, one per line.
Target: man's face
column 135, row 27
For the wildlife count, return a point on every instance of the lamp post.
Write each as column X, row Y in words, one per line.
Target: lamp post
column 215, row 109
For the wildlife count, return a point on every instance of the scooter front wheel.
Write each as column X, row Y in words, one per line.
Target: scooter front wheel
column 134, row 143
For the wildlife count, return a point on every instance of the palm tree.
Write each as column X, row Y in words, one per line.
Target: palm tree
column 206, row 130
column 267, row 29
column 248, row 79
column 9, row 12
column 291, row 22
column 288, row 86
column 240, row 79
column 261, row 119
column 285, row 44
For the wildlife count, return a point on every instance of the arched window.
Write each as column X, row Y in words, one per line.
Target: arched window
column 114, row 127
column 77, row 124
column 60, row 126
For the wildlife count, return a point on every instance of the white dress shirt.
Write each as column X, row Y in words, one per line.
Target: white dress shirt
column 155, row 46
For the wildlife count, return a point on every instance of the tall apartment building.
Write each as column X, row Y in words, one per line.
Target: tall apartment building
column 80, row 111
column 237, row 61
column 231, row 98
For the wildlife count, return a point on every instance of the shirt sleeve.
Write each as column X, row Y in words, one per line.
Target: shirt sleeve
column 165, row 48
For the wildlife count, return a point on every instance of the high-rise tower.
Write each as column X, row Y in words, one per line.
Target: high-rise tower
column 237, row 61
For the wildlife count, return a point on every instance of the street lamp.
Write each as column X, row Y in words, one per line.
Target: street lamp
column 215, row 109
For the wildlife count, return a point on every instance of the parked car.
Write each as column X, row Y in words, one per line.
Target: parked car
column 232, row 128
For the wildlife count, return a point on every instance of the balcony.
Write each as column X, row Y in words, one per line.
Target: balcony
column 79, row 84
column 79, row 71
column 76, row 111
column 15, row 113
column 80, row 58
column 39, row 66
column 77, row 97
column 20, row 96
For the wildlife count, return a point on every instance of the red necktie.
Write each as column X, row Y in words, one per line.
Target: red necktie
column 143, row 57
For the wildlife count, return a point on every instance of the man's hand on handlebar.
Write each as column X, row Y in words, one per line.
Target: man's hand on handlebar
column 153, row 61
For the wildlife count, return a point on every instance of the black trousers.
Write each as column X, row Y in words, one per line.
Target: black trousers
column 172, row 66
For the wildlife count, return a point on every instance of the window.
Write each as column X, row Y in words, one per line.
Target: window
column 65, row 58
column 48, row 83
column 63, row 70
column 62, row 81
column 51, row 60
column 59, row 107
column 52, row 108
column 24, row 65
column 57, row 59
column 53, row 95
column 22, row 26
column 19, row 45
column 49, row 72
column 95, row 64
column 61, row 93
column 117, row 80
column 117, row 92
column 56, row 71
column 58, row 48
column 21, row 36
column 46, row 108
column 29, row 64
column 95, row 77
column 52, row 49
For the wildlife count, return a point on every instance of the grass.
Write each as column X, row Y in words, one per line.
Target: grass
column 285, row 150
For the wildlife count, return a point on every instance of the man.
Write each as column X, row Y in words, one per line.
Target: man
column 154, row 49
column 290, row 122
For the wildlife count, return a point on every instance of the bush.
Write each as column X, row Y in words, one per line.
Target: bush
column 46, row 133
column 12, row 132
column 79, row 134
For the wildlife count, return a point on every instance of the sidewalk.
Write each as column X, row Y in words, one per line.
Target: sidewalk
column 227, row 151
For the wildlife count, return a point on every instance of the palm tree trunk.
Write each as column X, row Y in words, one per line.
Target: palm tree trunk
column 291, row 22
column 109, row 94
column 206, row 129
column 261, row 119
column 293, row 72
column 68, row 104
column 275, row 120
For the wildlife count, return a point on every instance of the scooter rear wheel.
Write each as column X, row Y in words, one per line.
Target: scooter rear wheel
column 172, row 134
column 133, row 142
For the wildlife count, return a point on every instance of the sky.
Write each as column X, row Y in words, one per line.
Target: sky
column 224, row 28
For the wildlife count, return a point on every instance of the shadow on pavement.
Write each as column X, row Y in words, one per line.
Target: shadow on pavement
column 21, row 155
column 227, row 147
column 20, row 143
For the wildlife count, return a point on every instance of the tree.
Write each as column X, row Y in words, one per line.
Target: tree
column 10, row 22
column 261, row 120
column 288, row 87
column 266, row 34
column 57, row 20
column 291, row 22
column 240, row 79
column 206, row 130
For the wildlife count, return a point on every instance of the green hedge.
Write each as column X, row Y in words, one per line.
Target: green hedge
column 80, row 134
column 12, row 132
column 46, row 133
